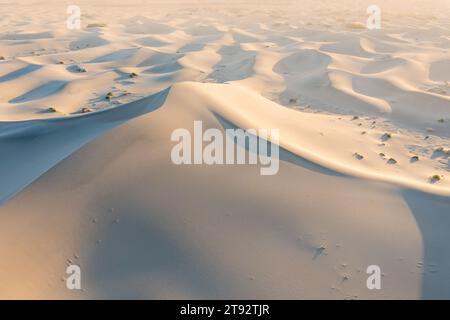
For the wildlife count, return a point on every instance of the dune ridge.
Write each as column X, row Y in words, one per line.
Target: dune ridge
column 86, row 176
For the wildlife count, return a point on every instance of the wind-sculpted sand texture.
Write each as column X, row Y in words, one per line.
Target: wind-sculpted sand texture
column 86, row 175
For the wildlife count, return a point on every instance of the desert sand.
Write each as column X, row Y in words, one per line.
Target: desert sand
column 86, row 177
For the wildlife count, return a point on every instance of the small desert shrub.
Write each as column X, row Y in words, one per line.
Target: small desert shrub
column 441, row 120
column 435, row 178
column 133, row 75
column 392, row 161
column 2, row 58
column 414, row 158
column 109, row 95
column 51, row 109
column 355, row 118
column 386, row 136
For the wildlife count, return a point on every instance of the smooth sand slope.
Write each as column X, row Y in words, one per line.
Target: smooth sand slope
column 86, row 174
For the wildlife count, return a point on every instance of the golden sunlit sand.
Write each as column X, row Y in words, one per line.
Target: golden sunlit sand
column 86, row 175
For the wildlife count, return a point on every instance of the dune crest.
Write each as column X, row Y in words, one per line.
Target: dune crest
column 87, row 178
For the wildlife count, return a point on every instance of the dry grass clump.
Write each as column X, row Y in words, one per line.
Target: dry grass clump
column 358, row 156
column 392, row 161
column 414, row 159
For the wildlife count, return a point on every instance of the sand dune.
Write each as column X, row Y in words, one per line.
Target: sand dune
column 86, row 118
